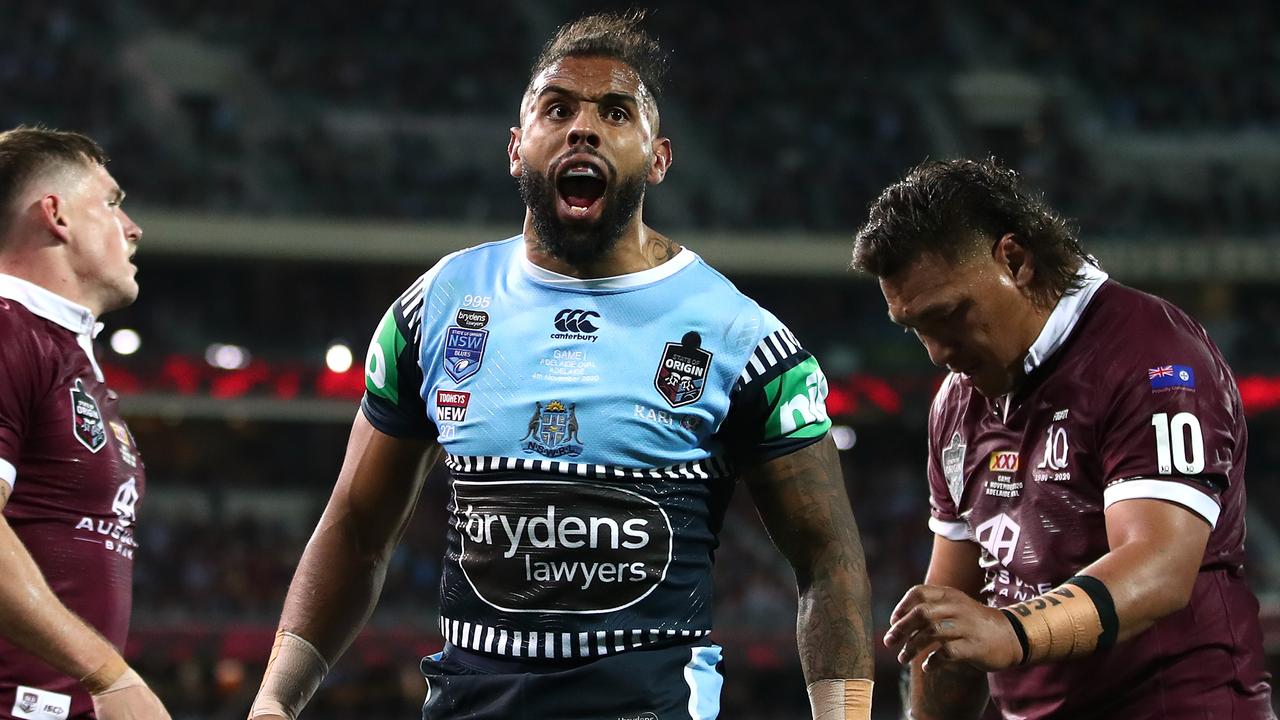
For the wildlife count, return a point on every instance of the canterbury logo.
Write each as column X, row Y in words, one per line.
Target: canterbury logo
column 576, row 321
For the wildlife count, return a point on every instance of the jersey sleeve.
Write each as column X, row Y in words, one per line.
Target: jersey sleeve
column 1172, row 428
column 392, row 375
column 20, row 381
column 946, row 452
column 778, row 404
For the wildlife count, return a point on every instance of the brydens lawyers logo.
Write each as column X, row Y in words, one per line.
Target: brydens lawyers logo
column 1004, row 461
column 472, row 319
column 451, row 405
column 86, row 419
column 682, row 371
column 576, row 325
column 560, row 546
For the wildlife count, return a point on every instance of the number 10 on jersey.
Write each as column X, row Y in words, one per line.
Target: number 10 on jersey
column 1172, row 446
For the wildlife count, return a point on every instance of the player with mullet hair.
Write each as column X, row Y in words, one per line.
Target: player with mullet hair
column 70, row 474
column 1086, row 472
column 594, row 390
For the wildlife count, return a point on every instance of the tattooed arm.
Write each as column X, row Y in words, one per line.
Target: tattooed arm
column 949, row 691
column 802, row 500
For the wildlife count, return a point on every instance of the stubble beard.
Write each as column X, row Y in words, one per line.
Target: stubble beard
column 580, row 243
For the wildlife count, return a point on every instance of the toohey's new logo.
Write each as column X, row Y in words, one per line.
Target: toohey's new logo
column 560, row 546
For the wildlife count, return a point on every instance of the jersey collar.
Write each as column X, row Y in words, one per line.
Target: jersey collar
column 544, row 276
column 49, row 305
column 1064, row 317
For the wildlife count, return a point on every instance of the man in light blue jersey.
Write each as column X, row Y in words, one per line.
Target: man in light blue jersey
column 594, row 390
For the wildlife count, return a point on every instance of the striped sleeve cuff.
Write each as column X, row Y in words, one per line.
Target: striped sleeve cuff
column 8, row 473
column 950, row 530
column 1175, row 492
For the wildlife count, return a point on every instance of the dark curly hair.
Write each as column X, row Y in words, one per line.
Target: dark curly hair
column 953, row 207
column 611, row 35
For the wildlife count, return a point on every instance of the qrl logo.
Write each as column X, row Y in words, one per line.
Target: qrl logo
column 576, row 321
column 1004, row 461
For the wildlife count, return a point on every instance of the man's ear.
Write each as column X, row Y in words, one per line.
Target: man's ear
column 661, row 161
column 513, row 153
column 52, row 213
column 1010, row 253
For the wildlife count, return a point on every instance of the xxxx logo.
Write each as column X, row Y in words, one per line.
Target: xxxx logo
column 1004, row 461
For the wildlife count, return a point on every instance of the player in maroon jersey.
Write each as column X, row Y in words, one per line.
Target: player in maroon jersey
column 1086, row 471
column 70, row 474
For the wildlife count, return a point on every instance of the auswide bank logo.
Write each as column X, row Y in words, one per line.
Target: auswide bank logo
column 560, row 546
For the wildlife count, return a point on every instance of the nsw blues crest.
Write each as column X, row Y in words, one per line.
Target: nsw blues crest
column 553, row 430
column 463, row 352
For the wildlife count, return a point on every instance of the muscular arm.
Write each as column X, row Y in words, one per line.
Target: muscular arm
column 949, row 691
column 802, row 501
column 1155, row 551
column 1156, row 548
column 341, row 572
column 33, row 618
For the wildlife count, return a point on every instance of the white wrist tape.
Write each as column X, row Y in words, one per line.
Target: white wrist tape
column 293, row 673
column 841, row 699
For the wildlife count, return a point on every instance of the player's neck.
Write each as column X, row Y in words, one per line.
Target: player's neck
column 639, row 248
column 1032, row 324
column 40, row 268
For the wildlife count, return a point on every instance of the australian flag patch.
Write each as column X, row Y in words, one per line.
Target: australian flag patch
column 1171, row 376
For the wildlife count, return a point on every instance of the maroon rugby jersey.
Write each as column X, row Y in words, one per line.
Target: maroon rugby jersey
column 1126, row 397
column 76, row 477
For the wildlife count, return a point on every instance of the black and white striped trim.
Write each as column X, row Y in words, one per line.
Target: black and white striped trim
column 775, row 348
column 555, row 645
column 705, row 469
column 411, row 306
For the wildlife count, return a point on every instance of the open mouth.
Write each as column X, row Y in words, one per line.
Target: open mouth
column 581, row 184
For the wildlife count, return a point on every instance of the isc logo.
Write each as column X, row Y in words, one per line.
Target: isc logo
column 1004, row 461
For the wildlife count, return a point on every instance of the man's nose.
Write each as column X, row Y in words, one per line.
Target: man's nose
column 583, row 130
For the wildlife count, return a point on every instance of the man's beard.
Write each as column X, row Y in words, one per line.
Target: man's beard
column 581, row 243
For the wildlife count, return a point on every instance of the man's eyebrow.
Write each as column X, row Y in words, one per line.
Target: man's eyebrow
column 937, row 310
column 117, row 195
column 614, row 97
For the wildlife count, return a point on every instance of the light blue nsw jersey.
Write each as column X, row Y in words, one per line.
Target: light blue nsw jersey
column 592, row 428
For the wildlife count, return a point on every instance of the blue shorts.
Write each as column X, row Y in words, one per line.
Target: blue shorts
column 673, row 683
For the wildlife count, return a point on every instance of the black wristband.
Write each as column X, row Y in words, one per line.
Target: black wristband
column 1021, row 633
column 1101, row 598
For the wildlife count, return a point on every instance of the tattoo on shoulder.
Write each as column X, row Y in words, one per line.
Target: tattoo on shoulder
column 663, row 249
